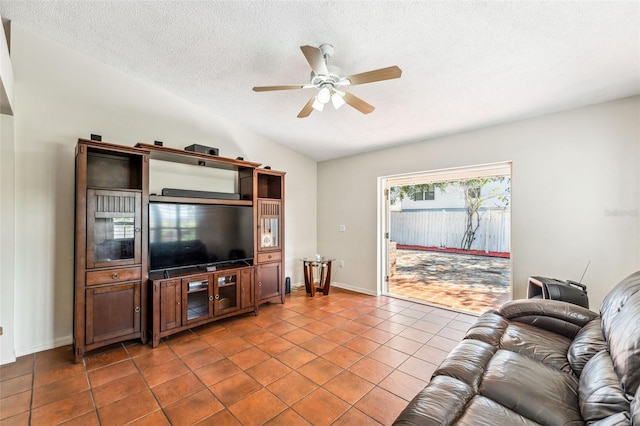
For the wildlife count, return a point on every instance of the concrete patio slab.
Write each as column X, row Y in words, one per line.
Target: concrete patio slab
column 463, row 282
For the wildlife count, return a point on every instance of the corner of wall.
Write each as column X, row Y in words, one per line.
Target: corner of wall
column 7, row 239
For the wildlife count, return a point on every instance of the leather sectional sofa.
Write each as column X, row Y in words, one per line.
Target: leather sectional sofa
column 541, row 362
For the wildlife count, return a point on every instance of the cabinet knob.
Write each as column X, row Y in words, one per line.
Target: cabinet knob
column 115, row 275
column 269, row 256
column 210, row 298
column 137, row 229
column 178, row 303
column 259, row 283
column 137, row 309
column 217, row 297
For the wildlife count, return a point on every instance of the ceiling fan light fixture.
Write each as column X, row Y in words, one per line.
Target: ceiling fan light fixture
column 318, row 106
column 336, row 100
column 324, row 95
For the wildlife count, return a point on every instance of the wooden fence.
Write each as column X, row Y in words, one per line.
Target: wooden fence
column 445, row 228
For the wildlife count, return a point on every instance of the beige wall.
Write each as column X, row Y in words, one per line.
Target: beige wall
column 60, row 96
column 7, row 238
column 575, row 185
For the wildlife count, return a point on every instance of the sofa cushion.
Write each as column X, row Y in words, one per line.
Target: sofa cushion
column 620, row 313
column 467, row 362
column 532, row 389
column 488, row 328
column 599, row 390
column 483, row 411
column 440, row 403
column 539, row 344
column 588, row 342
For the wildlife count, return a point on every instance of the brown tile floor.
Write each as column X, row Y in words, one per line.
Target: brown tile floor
column 341, row 359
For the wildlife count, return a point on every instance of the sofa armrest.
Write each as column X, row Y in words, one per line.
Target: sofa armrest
column 559, row 317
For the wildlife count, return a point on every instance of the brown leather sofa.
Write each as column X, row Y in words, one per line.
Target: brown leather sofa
column 541, row 362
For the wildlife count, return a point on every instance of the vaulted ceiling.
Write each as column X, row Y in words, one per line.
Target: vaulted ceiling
column 465, row 65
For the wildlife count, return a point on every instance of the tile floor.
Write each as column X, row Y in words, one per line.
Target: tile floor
column 341, row 359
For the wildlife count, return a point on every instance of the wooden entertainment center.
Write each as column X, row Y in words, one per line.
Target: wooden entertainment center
column 117, row 296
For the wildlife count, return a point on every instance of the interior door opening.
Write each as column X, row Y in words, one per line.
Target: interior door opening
column 446, row 237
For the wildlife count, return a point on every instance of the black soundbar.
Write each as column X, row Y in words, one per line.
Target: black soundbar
column 172, row 192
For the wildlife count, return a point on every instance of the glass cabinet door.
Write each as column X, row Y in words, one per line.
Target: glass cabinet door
column 268, row 225
column 197, row 299
column 226, row 296
column 113, row 228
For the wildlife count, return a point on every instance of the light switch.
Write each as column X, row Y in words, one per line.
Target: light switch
column 342, row 228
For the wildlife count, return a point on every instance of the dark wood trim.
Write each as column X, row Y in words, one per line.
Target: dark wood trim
column 174, row 155
column 190, row 200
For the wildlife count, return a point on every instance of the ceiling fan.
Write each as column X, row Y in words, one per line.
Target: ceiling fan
column 329, row 82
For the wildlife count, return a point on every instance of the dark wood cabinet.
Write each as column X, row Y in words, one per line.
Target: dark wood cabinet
column 110, row 245
column 270, row 236
column 269, row 277
column 189, row 300
column 170, row 298
column 247, row 288
column 113, row 311
column 116, row 296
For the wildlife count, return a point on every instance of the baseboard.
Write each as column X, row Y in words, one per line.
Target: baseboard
column 354, row 289
column 343, row 286
column 51, row 344
column 8, row 360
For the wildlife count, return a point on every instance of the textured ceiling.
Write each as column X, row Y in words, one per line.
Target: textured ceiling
column 465, row 64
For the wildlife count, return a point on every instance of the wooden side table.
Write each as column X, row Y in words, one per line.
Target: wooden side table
column 324, row 285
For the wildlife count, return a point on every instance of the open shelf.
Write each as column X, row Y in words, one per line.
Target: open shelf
column 164, row 153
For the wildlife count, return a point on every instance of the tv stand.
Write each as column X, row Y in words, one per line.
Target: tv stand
column 187, row 299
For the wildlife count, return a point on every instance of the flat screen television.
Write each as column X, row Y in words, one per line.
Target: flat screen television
column 187, row 235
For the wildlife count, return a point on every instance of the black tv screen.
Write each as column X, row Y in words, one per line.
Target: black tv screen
column 182, row 235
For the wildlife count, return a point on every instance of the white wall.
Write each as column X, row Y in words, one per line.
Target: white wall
column 575, row 185
column 7, row 202
column 60, row 96
column 7, row 238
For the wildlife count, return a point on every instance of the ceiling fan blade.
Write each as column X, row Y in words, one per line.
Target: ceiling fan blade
column 316, row 59
column 270, row 88
column 307, row 109
column 375, row 75
column 358, row 103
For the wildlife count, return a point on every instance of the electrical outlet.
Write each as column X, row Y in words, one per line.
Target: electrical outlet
column 341, row 263
column 342, row 228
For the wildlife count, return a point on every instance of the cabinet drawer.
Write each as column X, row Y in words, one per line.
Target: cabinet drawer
column 269, row 257
column 113, row 275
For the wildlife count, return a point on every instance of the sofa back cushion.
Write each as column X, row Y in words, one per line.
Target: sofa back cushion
column 588, row 342
column 599, row 392
column 620, row 313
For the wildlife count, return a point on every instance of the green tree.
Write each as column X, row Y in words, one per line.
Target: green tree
column 476, row 195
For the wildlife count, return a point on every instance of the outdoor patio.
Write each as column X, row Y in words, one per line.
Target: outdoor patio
column 463, row 282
